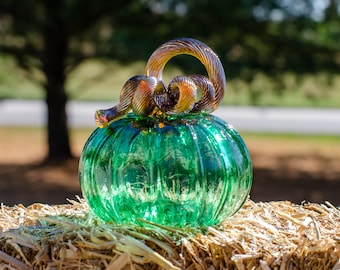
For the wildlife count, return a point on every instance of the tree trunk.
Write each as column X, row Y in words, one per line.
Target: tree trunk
column 56, row 99
column 57, row 129
column 54, row 57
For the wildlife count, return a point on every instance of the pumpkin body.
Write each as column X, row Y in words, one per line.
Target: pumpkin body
column 186, row 170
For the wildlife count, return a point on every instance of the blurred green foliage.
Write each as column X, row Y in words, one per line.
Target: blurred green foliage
column 270, row 36
column 273, row 51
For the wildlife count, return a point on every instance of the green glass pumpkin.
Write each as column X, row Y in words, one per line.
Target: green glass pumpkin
column 190, row 170
column 169, row 162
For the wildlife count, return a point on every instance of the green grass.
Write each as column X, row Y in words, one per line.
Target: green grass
column 97, row 80
column 290, row 90
column 15, row 82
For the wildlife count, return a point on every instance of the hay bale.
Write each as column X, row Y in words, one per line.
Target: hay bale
column 273, row 235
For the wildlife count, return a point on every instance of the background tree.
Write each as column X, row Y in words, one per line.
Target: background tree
column 54, row 37
column 271, row 35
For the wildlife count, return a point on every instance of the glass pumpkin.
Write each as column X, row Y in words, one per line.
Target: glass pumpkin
column 191, row 169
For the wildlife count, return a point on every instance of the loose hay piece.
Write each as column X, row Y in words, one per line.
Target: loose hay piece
column 274, row 235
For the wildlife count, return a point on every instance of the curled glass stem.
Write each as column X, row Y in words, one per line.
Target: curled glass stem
column 147, row 95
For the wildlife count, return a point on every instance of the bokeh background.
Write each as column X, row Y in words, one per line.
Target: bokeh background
column 276, row 53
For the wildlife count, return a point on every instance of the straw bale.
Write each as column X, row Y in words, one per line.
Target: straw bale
column 272, row 235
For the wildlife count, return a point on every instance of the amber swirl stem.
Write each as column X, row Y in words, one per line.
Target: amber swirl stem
column 147, row 95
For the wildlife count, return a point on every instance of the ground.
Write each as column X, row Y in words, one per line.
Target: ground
column 284, row 169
